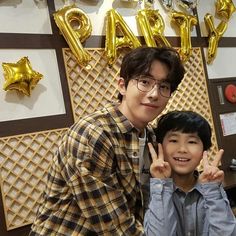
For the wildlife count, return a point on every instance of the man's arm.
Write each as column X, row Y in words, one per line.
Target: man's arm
column 160, row 218
column 91, row 176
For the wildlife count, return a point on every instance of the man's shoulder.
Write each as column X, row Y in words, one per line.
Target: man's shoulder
column 100, row 118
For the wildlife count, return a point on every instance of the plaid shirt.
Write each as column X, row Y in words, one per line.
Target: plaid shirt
column 93, row 184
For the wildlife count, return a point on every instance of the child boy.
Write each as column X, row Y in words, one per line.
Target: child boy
column 182, row 201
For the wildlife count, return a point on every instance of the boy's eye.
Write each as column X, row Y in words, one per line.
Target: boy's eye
column 173, row 140
column 193, row 141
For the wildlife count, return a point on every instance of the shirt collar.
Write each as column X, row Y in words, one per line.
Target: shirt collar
column 196, row 175
column 122, row 122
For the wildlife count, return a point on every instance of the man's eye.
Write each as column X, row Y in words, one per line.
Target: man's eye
column 165, row 87
column 144, row 82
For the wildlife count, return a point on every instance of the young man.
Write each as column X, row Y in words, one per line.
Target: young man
column 182, row 201
column 93, row 184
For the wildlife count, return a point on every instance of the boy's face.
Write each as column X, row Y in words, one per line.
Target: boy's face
column 142, row 107
column 183, row 151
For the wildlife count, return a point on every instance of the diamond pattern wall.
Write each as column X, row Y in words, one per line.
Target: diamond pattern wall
column 24, row 159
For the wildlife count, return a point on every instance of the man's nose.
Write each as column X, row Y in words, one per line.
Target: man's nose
column 155, row 91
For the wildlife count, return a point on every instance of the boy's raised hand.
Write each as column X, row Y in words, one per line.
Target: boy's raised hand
column 211, row 172
column 159, row 168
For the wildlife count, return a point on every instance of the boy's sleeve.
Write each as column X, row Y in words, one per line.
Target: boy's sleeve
column 218, row 211
column 160, row 218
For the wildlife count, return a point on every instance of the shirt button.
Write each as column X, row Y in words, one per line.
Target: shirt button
column 159, row 186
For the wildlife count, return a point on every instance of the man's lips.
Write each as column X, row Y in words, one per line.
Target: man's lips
column 150, row 105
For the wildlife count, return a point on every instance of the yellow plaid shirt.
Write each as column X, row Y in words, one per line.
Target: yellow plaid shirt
column 93, row 184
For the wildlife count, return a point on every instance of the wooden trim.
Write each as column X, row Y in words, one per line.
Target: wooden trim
column 225, row 142
column 34, row 41
column 57, row 42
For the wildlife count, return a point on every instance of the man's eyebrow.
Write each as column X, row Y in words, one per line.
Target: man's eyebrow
column 161, row 80
column 165, row 81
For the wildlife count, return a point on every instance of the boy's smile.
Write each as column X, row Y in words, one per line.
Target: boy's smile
column 181, row 159
column 183, row 151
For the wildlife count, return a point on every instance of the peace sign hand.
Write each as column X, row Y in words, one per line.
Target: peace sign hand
column 159, row 168
column 211, row 172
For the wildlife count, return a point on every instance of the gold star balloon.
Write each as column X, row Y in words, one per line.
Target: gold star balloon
column 20, row 76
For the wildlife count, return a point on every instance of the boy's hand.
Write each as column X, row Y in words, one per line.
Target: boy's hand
column 211, row 172
column 159, row 168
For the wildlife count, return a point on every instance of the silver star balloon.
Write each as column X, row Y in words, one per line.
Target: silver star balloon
column 188, row 4
column 168, row 4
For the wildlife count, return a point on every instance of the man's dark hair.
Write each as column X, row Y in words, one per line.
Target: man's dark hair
column 138, row 62
column 186, row 122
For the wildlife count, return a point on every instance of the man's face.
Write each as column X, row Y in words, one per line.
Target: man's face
column 142, row 107
column 183, row 151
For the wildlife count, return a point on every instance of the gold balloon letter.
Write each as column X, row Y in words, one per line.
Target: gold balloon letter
column 225, row 8
column 152, row 26
column 116, row 23
column 185, row 23
column 20, row 76
column 64, row 18
column 214, row 36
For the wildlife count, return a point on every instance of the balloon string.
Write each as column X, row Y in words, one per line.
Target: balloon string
column 68, row 2
column 148, row 3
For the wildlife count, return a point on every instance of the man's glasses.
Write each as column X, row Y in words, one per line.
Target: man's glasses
column 146, row 83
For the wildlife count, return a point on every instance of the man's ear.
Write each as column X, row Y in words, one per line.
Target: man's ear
column 121, row 86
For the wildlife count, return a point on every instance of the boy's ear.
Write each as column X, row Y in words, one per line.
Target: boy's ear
column 121, row 86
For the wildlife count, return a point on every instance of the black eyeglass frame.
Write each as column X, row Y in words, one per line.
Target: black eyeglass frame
column 150, row 78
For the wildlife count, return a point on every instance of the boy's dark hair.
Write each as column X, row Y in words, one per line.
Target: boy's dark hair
column 138, row 62
column 186, row 122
